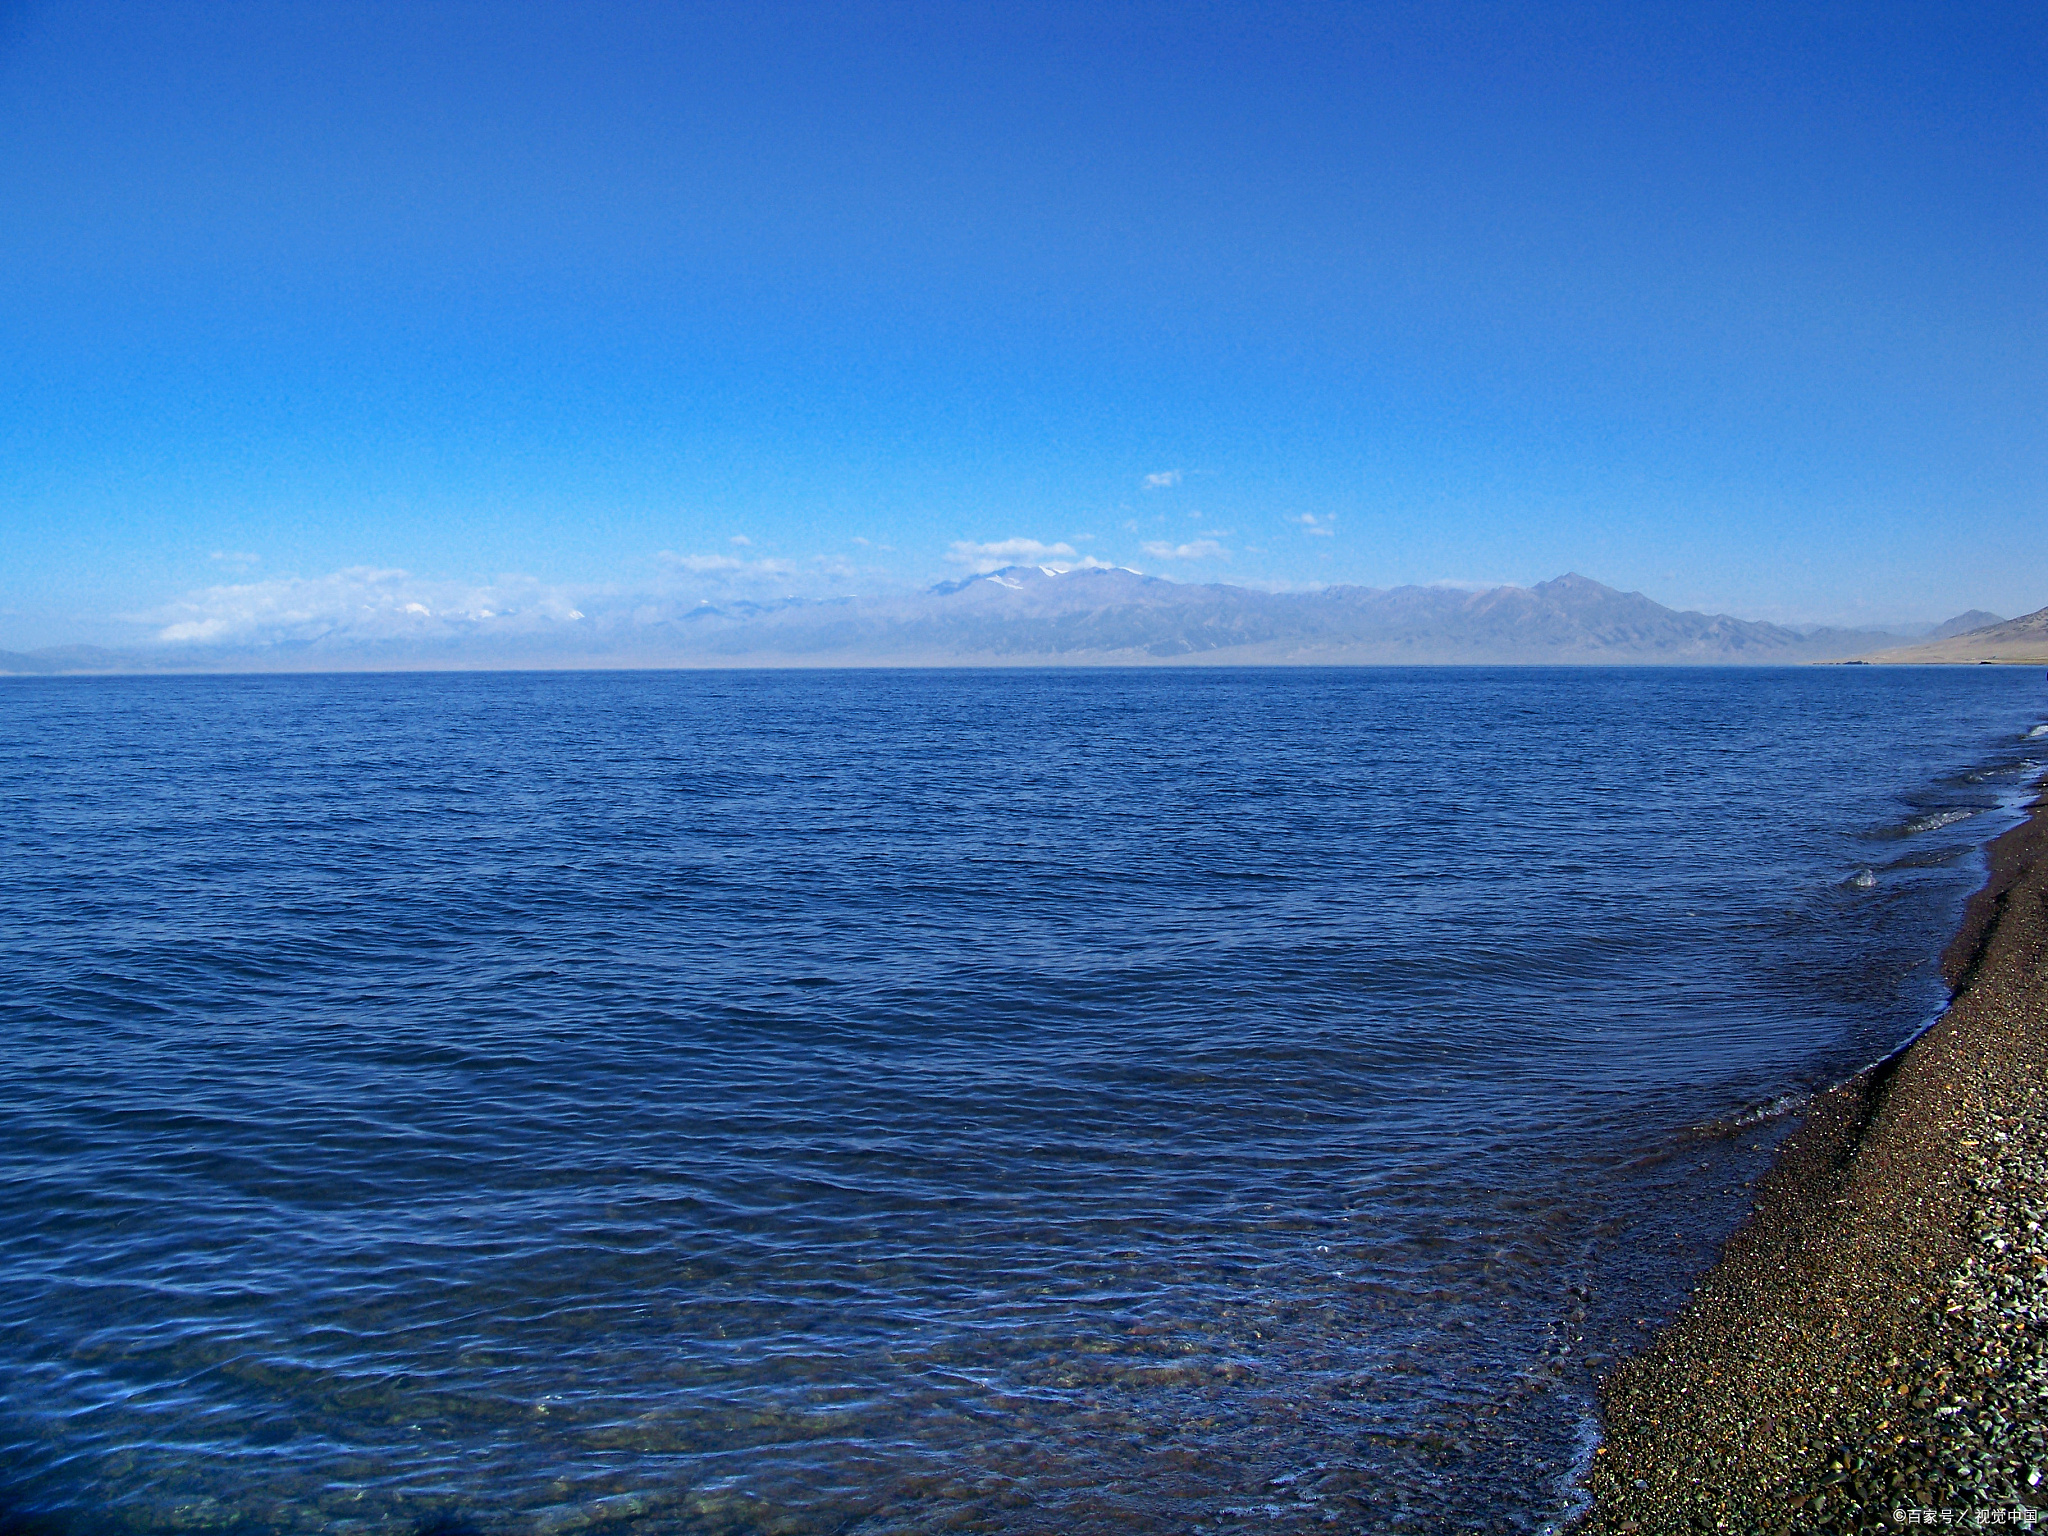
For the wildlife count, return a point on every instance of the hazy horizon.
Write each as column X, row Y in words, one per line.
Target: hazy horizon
column 1061, row 614
column 365, row 602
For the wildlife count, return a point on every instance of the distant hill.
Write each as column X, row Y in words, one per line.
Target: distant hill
column 2024, row 639
column 1964, row 623
column 1040, row 616
column 1030, row 614
column 68, row 658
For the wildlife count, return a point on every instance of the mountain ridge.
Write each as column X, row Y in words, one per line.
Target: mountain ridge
column 1048, row 615
column 2017, row 641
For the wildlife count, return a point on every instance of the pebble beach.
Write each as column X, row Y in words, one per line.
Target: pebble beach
column 1871, row 1352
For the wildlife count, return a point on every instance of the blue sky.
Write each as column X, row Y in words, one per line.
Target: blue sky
column 1739, row 306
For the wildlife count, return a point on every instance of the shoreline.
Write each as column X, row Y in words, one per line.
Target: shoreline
column 1869, row 1346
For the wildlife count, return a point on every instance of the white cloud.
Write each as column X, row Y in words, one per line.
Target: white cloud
column 1162, row 480
column 718, row 565
column 741, row 540
column 369, row 605
column 360, row 603
column 235, row 557
column 983, row 558
column 1269, row 585
column 1200, row 549
column 1319, row 526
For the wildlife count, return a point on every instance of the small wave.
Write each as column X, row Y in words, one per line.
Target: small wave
column 1727, row 1126
column 1940, row 856
column 1783, row 1104
column 1934, row 821
column 1989, row 773
column 1862, row 880
column 2037, row 732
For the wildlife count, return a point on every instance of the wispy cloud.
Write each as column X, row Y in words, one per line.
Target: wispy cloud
column 723, row 565
column 236, row 558
column 1319, row 526
column 994, row 555
column 362, row 603
column 1200, row 549
column 741, row 540
column 1267, row 584
column 1162, row 480
column 374, row 605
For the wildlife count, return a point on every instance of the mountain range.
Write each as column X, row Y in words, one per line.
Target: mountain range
column 2024, row 639
column 1034, row 615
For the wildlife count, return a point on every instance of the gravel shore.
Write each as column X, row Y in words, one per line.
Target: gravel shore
column 1871, row 1353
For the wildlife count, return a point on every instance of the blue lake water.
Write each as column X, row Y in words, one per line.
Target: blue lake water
column 893, row 1102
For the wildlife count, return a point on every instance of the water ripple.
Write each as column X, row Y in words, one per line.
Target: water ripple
column 878, row 1103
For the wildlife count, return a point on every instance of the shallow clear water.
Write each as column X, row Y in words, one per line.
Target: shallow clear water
column 877, row 1102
